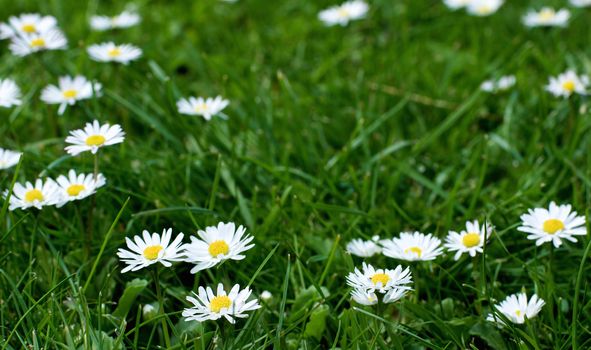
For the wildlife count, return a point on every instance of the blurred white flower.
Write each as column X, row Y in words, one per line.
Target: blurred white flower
column 344, row 13
column 110, row 52
column 546, row 17
column 10, row 94
column 580, row 3
column 364, row 249
column 568, row 83
column 38, row 195
column 52, row 39
column 457, row 4
column 26, row 24
column 125, row 19
column 9, row 158
column 483, row 7
column 502, row 84
column 70, row 90
column 93, row 137
column 206, row 108
column 78, row 186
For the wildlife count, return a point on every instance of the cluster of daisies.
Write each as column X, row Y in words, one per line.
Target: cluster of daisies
column 556, row 224
column 564, row 85
column 212, row 247
column 545, row 17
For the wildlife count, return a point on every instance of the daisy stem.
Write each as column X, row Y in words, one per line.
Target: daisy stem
column 96, row 165
column 90, row 222
column 161, row 302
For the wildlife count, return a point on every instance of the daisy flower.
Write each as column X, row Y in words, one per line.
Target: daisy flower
column 517, row 308
column 70, row 90
column 412, row 247
column 546, row 17
column 483, row 7
column 78, row 186
column 502, row 84
column 342, row 14
column 567, row 84
column 52, row 39
column 364, row 249
column 364, row 297
column 150, row 250
column 25, row 24
column 456, row 4
column 381, row 280
column 204, row 107
column 469, row 241
column 580, row 3
column 93, row 137
column 217, row 244
column 125, row 19
column 210, row 306
column 10, row 94
column 110, row 52
column 38, row 195
column 554, row 224
column 9, row 158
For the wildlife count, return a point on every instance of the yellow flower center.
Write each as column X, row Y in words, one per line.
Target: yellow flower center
column 95, row 140
column 114, row 52
column 547, row 14
column 380, row 278
column 484, row 9
column 28, row 28
column 343, row 13
column 151, row 252
column 75, row 190
column 220, row 302
column 418, row 251
column 218, row 247
column 70, row 93
column 471, row 240
column 33, row 195
column 37, row 42
column 569, row 85
column 201, row 107
column 551, row 226
column 518, row 313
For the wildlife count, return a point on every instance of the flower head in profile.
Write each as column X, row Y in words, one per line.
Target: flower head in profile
column 210, row 306
column 125, row 19
column 517, row 308
column 567, row 84
column 457, row 4
column 344, row 13
column 394, row 284
column 580, row 3
column 554, row 224
column 363, row 248
column 217, row 244
column 412, row 247
column 483, row 8
column 26, row 44
column 93, row 137
column 546, row 17
column 9, row 158
column 502, row 84
column 26, row 24
column 37, row 195
column 469, row 241
column 69, row 90
column 111, row 52
column 10, row 94
column 149, row 249
column 78, row 186
column 206, row 108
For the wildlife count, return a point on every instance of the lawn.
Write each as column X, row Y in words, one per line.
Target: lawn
column 332, row 133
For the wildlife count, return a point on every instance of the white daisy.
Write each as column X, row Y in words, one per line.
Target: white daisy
column 517, row 308
column 38, row 195
column 110, row 52
column 217, row 244
column 342, row 14
column 546, row 17
column 502, row 84
column 23, row 45
column 580, row 3
column 364, row 249
column 70, row 90
column 93, row 137
column 78, row 186
column 9, row 158
column 381, row 280
column 150, row 250
column 483, row 7
column 568, row 83
column 10, row 94
column 125, row 19
column 210, row 306
column 204, row 107
column 25, row 24
column 364, row 297
column 412, row 247
column 469, row 241
column 553, row 225
column 456, row 4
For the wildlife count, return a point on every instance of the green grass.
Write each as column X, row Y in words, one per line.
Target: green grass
column 333, row 134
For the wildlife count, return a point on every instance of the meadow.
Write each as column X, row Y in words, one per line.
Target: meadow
column 323, row 134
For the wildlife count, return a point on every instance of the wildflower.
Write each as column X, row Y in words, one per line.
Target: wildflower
column 546, row 17
column 568, row 83
column 456, row 4
column 93, row 137
column 554, row 224
column 26, row 24
column 78, row 186
column 469, row 241
column 517, row 308
column 483, row 7
column 502, row 84
column 580, row 3
column 203, row 107
column 70, row 90
column 412, row 247
column 10, row 94
column 38, row 195
column 52, row 39
column 151, row 250
column 344, row 13
column 9, row 158
column 110, row 52
column 364, row 249
column 381, row 280
column 125, row 19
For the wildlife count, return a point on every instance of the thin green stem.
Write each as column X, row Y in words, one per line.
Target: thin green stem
column 577, row 289
column 161, row 302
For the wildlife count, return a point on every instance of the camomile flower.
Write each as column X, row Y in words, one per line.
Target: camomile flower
column 10, row 94
column 483, row 7
column 78, row 186
column 554, row 224
column 344, row 13
column 52, row 39
column 125, row 19
column 457, row 4
column 151, row 249
column 206, row 108
column 568, row 83
column 9, row 158
column 364, row 297
column 469, row 241
column 93, row 137
column 210, row 306
column 381, row 280
column 546, row 17
column 70, row 90
column 412, row 247
column 580, row 3
column 110, row 52
column 364, row 249
column 25, row 24
column 217, row 244
column 517, row 308
column 38, row 195
column 502, row 84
